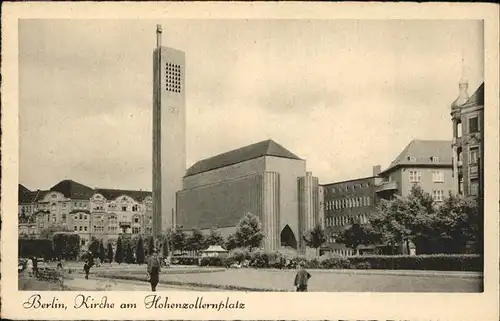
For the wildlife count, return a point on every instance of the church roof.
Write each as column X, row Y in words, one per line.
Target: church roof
column 73, row 190
column 263, row 148
column 421, row 153
column 111, row 194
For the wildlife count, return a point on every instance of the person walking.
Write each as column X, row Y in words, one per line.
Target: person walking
column 29, row 266
column 35, row 266
column 301, row 279
column 154, row 270
column 86, row 268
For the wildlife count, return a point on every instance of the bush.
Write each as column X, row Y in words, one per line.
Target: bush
column 36, row 248
column 66, row 245
column 213, row 261
column 185, row 260
column 436, row 262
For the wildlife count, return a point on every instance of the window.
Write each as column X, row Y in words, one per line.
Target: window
column 85, row 229
column 473, row 125
column 76, row 228
column 64, row 217
column 124, row 208
column 474, row 188
column 438, row 195
column 414, row 176
column 412, row 158
column 80, row 216
column 80, row 228
column 473, row 155
column 136, row 219
column 136, row 230
column 134, row 208
column 434, row 159
column 438, row 176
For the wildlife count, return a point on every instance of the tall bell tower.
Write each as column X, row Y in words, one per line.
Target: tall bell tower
column 169, row 132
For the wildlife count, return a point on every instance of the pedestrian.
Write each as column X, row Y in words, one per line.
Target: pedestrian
column 301, row 279
column 29, row 266
column 35, row 266
column 86, row 268
column 154, row 270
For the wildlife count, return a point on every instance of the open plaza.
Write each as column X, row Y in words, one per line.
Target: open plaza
column 128, row 277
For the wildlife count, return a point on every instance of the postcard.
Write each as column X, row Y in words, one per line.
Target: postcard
column 208, row 161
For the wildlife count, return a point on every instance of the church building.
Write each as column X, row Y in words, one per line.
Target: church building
column 264, row 179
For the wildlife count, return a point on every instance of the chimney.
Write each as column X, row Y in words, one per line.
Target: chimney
column 158, row 36
column 376, row 170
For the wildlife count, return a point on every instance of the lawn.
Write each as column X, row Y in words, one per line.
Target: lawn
column 322, row 281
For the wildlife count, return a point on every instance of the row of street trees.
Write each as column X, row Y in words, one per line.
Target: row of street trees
column 445, row 227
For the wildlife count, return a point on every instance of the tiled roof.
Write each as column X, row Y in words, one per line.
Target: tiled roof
column 73, row 190
column 420, row 153
column 25, row 195
column 111, row 194
column 477, row 98
column 264, row 148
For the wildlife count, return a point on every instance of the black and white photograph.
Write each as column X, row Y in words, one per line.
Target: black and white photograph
column 250, row 155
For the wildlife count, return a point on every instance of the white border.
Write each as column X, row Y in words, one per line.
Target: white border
column 258, row 305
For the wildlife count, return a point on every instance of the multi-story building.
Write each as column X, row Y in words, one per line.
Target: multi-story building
column 100, row 213
column 264, row 179
column 424, row 162
column 467, row 114
column 346, row 202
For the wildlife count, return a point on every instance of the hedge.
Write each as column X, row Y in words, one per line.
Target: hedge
column 35, row 247
column 437, row 262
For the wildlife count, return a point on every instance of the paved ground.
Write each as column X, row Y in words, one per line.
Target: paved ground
column 321, row 281
column 330, row 281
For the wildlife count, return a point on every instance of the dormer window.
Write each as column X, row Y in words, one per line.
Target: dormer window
column 434, row 159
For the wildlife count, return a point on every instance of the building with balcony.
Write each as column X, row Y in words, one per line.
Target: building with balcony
column 100, row 213
column 427, row 163
column 467, row 114
column 264, row 179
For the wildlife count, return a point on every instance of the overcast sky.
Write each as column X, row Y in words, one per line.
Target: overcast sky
column 344, row 95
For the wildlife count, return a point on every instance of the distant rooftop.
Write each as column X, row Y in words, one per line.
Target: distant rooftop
column 264, row 148
column 424, row 153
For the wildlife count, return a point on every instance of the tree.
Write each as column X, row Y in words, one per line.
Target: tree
column 110, row 252
column 231, row 242
column 139, row 251
column 119, row 254
column 165, row 246
column 178, row 240
column 129, row 254
column 196, row 241
column 150, row 244
column 214, row 238
column 315, row 238
column 249, row 232
column 94, row 247
column 404, row 219
column 357, row 234
column 66, row 245
column 49, row 232
column 433, row 227
column 459, row 222
column 102, row 251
